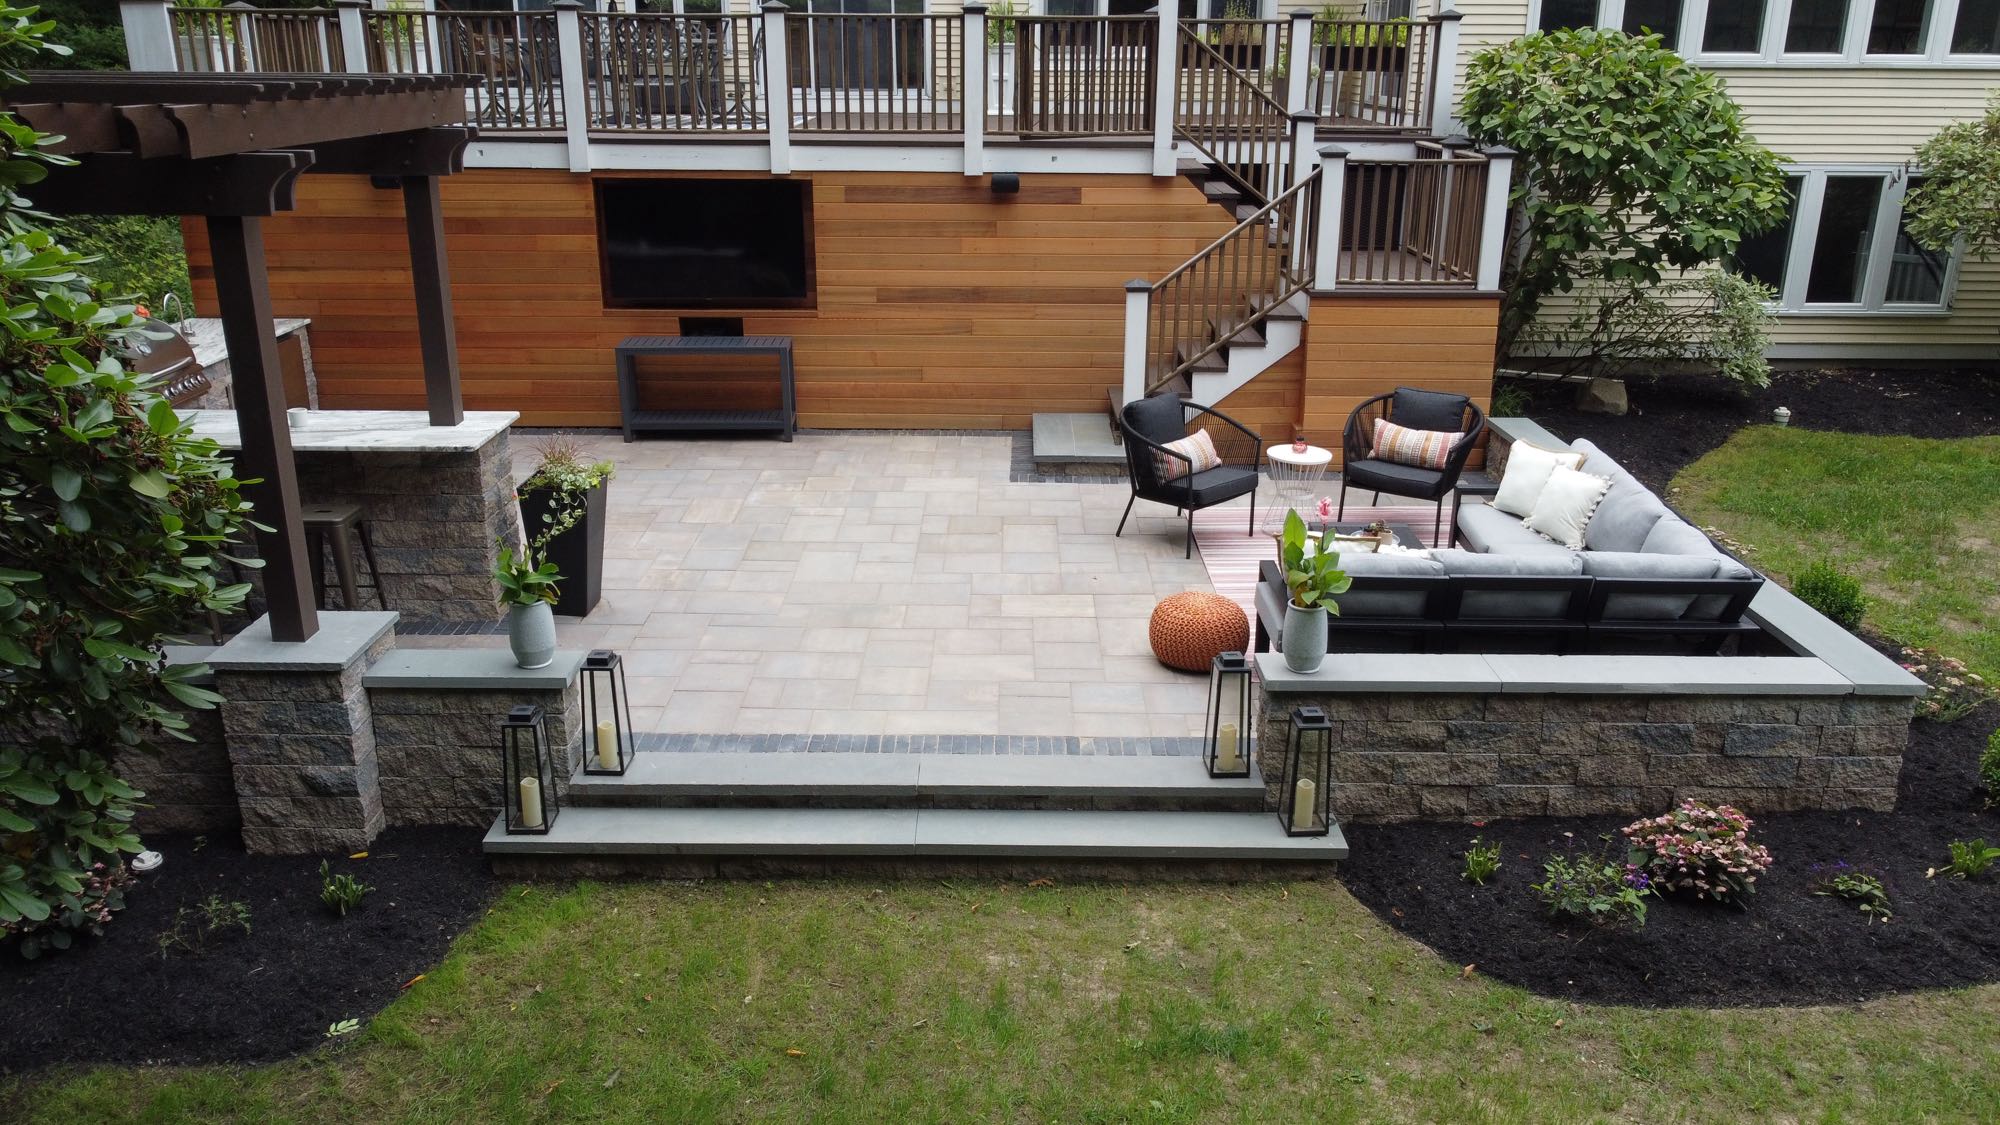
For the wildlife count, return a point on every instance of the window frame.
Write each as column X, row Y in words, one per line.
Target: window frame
column 1771, row 51
column 1881, row 247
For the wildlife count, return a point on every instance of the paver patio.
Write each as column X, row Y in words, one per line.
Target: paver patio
column 878, row 583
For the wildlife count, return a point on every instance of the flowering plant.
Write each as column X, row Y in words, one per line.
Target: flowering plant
column 1841, row 879
column 1594, row 890
column 1954, row 692
column 1698, row 847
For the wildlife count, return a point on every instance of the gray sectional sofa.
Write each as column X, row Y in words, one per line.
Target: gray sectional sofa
column 1646, row 580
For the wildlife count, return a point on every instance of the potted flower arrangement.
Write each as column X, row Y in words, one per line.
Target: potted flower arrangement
column 528, row 591
column 1313, row 575
column 562, row 508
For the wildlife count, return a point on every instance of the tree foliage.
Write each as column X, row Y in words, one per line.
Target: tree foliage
column 1711, row 318
column 111, row 517
column 1959, row 196
column 1632, row 162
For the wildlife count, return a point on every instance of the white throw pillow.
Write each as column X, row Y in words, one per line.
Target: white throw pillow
column 1566, row 504
column 1528, row 469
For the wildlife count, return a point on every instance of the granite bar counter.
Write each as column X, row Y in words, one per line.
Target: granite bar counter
column 435, row 497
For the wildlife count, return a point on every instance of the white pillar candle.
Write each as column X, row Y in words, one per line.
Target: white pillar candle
column 607, row 746
column 1304, row 799
column 531, row 803
column 1226, row 758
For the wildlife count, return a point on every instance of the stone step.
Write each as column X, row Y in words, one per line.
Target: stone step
column 1074, row 438
column 959, row 833
column 819, row 779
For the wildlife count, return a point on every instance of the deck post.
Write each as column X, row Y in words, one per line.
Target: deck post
column 1305, row 160
column 972, row 87
column 1298, row 66
column 1166, row 83
column 1493, row 223
column 243, row 292
column 149, row 34
column 423, row 215
column 1332, row 193
column 777, row 88
column 1444, row 64
column 1138, row 307
column 353, row 35
column 569, row 52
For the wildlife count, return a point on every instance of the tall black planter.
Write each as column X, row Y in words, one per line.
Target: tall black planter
column 578, row 553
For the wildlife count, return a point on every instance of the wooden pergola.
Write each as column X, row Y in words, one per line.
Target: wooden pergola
column 231, row 148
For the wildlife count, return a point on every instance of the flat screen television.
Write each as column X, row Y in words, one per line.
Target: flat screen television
column 705, row 244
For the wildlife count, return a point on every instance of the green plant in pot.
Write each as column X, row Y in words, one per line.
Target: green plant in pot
column 528, row 591
column 562, row 508
column 1313, row 575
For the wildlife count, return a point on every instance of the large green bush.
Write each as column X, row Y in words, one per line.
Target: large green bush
column 1712, row 318
column 1632, row 162
column 111, row 515
column 1959, row 196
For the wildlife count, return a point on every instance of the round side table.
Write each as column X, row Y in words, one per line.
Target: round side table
column 1294, row 478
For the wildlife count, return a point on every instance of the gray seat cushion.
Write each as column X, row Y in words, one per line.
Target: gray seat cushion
column 1651, row 567
column 1489, row 530
column 1361, row 601
column 1624, row 517
column 1511, row 603
column 1394, row 479
column 1675, row 536
column 1428, row 410
column 1213, row 486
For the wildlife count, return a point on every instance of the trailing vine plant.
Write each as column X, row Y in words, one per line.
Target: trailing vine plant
column 564, row 473
column 112, row 518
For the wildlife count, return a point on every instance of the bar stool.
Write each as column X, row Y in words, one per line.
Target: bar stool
column 343, row 524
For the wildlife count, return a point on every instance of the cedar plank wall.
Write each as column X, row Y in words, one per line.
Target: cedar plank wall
column 940, row 304
column 1359, row 345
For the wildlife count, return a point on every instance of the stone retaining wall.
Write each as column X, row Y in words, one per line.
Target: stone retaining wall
column 189, row 786
column 1403, row 756
column 439, row 750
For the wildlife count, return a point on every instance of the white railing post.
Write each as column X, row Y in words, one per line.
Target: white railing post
column 1305, row 161
column 1166, row 85
column 777, row 88
column 149, row 34
column 972, row 87
column 1332, row 193
column 569, row 55
column 1444, row 68
column 1138, row 306
column 1298, row 65
column 1493, row 224
column 353, row 36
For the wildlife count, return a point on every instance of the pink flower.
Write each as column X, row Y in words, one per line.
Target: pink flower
column 1326, row 507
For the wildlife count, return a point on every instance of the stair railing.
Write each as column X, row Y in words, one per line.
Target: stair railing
column 1265, row 260
column 1227, row 113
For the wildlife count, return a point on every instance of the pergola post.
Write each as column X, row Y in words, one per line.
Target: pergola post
column 432, row 273
column 242, row 290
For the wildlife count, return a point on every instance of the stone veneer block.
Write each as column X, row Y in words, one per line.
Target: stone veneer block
column 300, row 737
column 480, row 669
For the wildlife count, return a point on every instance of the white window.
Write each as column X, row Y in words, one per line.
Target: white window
column 1797, row 32
column 1842, row 248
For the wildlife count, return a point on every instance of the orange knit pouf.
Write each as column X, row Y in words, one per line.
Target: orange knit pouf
column 1189, row 629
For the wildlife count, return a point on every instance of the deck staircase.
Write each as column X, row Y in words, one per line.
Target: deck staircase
column 694, row 814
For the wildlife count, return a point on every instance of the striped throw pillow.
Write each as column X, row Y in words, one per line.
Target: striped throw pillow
column 1425, row 449
column 1198, row 447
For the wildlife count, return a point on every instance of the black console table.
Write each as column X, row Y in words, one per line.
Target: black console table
column 784, row 420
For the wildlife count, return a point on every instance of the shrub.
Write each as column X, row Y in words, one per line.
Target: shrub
column 194, row 926
column 1862, row 888
column 1481, row 861
column 112, row 517
column 1713, row 319
column 1953, row 692
column 1969, row 859
column 1989, row 768
column 1698, row 847
column 1595, row 890
column 342, row 892
column 1832, row 591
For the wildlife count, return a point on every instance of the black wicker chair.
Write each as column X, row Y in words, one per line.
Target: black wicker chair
column 1419, row 410
column 1150, row 423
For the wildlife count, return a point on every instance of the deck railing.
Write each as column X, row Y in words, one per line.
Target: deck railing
column 246, row 40
column 1227, row 113
column 1413, row 221
column 1071, row 76
column 876, row 73
column 516, row 54
column 648, row 73
column 1265, row 260
column 1379, row 74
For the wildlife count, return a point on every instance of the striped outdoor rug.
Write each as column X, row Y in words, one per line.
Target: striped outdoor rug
column 1232, row 557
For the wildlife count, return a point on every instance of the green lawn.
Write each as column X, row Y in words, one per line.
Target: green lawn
column 1918, row 520
column 928, row 1001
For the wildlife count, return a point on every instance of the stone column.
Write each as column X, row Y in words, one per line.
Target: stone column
column 300, row 735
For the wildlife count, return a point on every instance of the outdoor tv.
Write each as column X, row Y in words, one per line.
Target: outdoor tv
column 705, row 244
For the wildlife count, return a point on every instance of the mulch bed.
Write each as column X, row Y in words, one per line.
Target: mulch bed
column 1789, row 946
column 1676, row 419
column 243, row 997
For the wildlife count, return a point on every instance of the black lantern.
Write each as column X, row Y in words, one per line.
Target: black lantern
column 528, row 774
column 1228, row 739
column 607, row 714
column 1305, row 808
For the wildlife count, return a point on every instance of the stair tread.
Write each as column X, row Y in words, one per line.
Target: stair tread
column 945, row 832
column 1213, row 361
column 785, row 773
